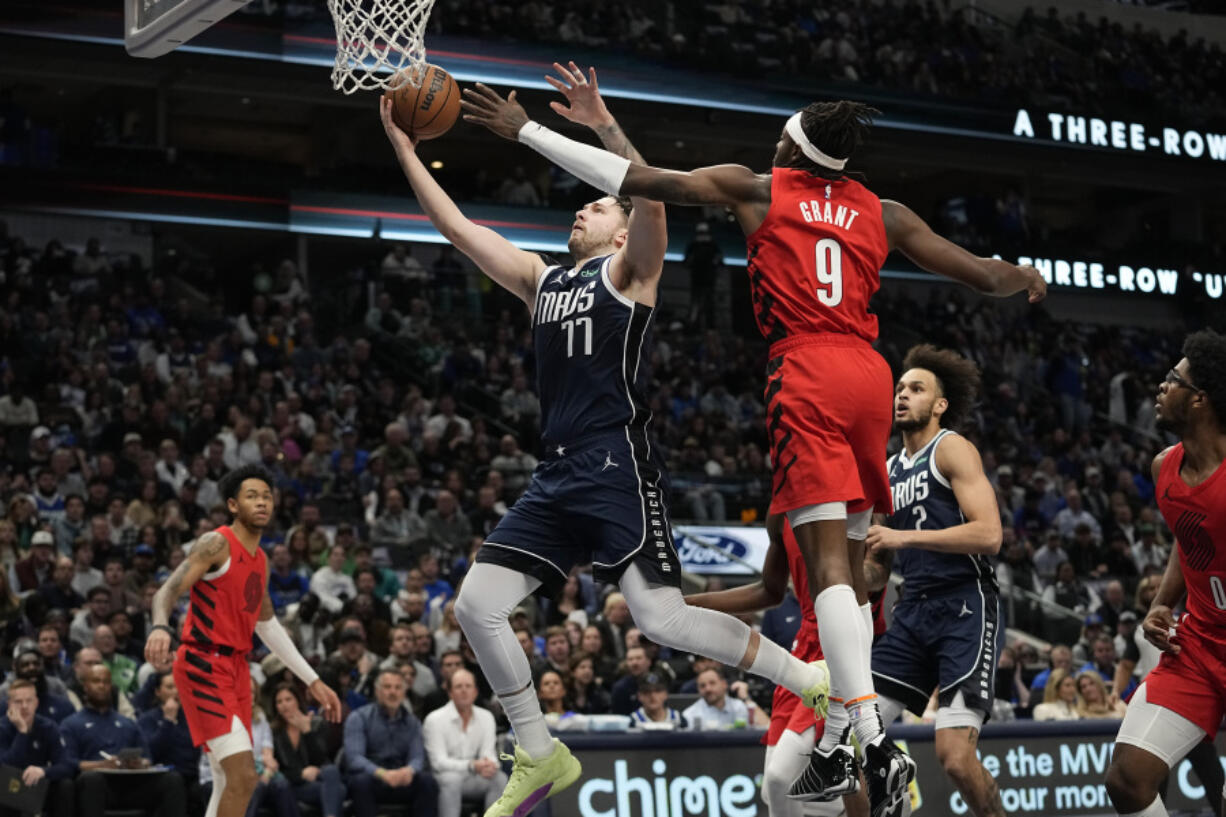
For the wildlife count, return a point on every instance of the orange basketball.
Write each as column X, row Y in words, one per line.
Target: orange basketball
column 429, row 110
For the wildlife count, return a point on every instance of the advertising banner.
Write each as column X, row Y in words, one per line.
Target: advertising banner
column 1041, row 769
column 721, row 551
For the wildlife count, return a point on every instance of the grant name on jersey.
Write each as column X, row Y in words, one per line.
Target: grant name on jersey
column 558, row 306
column 820, row 212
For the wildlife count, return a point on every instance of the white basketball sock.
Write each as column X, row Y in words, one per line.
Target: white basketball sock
column 848, row 657
column 524, row 712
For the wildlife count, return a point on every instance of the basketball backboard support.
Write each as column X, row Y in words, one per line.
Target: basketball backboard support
column 156, row 27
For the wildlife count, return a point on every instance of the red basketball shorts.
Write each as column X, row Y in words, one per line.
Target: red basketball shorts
column 829, row 411
column 212, row 690
column 1191, row 683
column 787, row 712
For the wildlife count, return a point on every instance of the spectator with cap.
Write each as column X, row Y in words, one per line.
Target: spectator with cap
column 716, row 709
column 94, row 739
column 286, row 586
column 1148, row 552
column 93, row 615
column 331, row 584
column 31, row 743
column 396, row 526
column 459, row 741
column 385, row 753
column 164, row 727
column 58, row 591
column 35, row 569
column 653, row 711
column 52, row 694
column 140, row 574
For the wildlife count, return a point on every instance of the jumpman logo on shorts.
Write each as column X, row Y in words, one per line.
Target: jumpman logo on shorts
column 608, row 462
column 966, row 611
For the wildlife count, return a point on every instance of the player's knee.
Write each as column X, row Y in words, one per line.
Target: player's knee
column 775, row 785
column 472, row 613
column 1128, row 792
column 242, row 781
column 960, row 767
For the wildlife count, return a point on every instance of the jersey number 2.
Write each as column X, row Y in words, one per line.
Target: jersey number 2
column 829, row 272
column 584, row 324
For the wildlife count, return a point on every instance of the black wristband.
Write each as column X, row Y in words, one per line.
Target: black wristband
column 169, row 631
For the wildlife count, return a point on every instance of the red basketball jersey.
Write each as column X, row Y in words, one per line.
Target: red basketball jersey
column 1197, row 516
column 815, row 261
column 225, row 604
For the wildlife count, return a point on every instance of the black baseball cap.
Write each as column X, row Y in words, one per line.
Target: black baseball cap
column 652, row 680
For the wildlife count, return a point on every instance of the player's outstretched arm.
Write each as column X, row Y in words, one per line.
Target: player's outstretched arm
column 510, row 267
column 209, row 553
column 728, row 185
column 281, row 645
column 959, row 461
column 908, row 233
column 763, row 594
column 642, row 256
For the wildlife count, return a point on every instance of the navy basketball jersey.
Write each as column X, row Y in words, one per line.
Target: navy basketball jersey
column 924, row 500
column 593, row 352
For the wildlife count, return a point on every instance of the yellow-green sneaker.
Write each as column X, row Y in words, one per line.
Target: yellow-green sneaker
column 817, row 696
column 533, row 781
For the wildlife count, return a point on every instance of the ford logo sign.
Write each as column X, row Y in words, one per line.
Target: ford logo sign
column 709, row 548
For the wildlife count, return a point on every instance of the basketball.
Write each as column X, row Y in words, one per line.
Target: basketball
column 428, row 111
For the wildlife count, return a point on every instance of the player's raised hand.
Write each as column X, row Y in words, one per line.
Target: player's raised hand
column 484, row 106
column 586, row 105
column 157, row 649
column 1159, row 628
column 1036, row 286
column 327, row 699
column 399, row 139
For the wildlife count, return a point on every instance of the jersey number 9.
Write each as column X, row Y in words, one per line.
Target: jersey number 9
column 829, row 272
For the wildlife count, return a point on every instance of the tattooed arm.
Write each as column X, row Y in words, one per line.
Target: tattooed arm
column 209, row 553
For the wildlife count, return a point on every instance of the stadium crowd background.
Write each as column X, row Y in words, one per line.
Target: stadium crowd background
column 399, row 431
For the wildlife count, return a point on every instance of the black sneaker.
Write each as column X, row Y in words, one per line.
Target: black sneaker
column 888, row 770
column 828, row 776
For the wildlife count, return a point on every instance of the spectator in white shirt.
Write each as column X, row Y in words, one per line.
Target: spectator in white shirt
column 1074, row 514
column 437, row 425
column 459, row 740
column 169, row 469
column 241, row 447
column 331, row 584
column 716, row 709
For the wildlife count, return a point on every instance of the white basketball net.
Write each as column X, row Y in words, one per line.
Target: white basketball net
column 376, row 40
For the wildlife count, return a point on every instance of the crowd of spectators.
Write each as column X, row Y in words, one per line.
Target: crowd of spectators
column 899, row 45
column 397, row 444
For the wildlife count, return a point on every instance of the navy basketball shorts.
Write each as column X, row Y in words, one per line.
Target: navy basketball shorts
column 949, row 641
column 600, row 500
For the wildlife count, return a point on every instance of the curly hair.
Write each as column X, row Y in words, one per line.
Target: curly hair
column 228, row 485
column 1206, row 354
column 837, row 129
column 957, row 378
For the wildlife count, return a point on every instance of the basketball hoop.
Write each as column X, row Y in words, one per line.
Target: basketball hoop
column 379, row 43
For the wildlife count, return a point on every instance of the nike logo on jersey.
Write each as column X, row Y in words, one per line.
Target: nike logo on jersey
column 608, row 462
column 966, row 611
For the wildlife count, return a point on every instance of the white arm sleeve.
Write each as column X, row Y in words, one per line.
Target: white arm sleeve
column 603, row 170
column 279, row 644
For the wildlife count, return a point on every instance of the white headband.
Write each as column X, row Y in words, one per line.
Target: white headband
column 797, row 133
